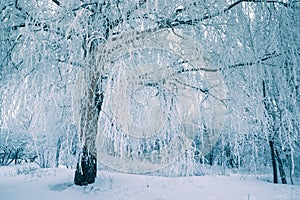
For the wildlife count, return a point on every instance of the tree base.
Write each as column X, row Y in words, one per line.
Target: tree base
column 86, row 169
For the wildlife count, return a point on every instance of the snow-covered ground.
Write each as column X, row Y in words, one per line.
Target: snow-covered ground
column 27, row 182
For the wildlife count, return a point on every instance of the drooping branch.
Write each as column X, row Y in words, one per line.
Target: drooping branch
column 136, row 7
column 16, row 27
column 261, row 59
column 17, row 6
column 203, row 90
column 5, row 8
column 25, row 14
column 176, row 22
column 86, row 5
column 56, row 2
column 120, row 20
column 243, row 64
column 34, row 22
column 8, row 54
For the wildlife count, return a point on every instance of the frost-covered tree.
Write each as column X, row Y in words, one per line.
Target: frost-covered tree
column 265, row 65
column 35, row 84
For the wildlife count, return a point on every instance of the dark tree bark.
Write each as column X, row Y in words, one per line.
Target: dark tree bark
column 281, row 168
column 275, row 174
column 86, row 169
column 271, row 129
column 58, row 146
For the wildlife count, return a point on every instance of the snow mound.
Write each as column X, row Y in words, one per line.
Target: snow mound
column 57, row 183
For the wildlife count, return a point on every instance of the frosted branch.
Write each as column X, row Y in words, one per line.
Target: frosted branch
column 167, row 23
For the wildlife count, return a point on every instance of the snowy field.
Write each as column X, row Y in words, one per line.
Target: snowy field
column 28, row 182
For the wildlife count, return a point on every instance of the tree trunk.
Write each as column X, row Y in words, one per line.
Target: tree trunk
column 275, row 176
column 86, row 169
column 291, row 176
column 58, row 146
column 281, row 169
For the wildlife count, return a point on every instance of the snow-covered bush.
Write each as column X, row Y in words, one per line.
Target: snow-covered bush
column 21, row 169
column 15, row 147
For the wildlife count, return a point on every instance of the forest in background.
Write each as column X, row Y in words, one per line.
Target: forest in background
column 160, row 83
